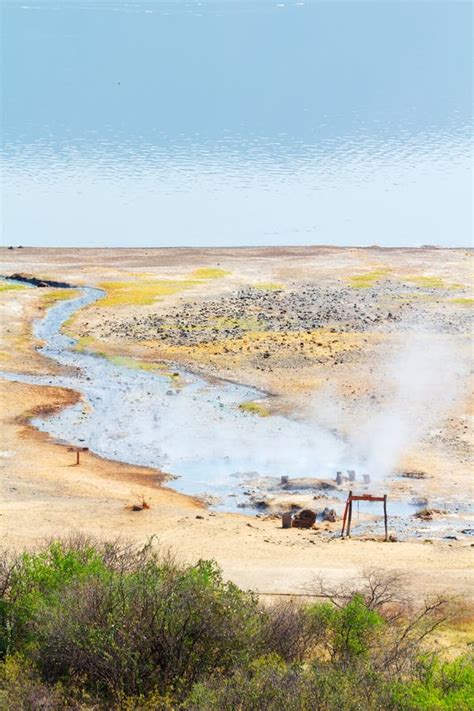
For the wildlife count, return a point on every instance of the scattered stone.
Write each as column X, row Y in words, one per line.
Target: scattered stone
column 427, row 514
column 413, row 475
column 329, row 515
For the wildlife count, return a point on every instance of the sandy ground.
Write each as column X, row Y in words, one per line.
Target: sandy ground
column 43, row 495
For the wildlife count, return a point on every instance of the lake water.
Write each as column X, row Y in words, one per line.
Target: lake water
column 236, row 123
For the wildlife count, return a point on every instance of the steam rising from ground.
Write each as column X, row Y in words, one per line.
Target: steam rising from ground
column 415, row 383
column 414, row 390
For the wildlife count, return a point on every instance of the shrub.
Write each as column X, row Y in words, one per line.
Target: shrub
column 292, row 631
column 32, row 581
column 440, row 686
column 270, row 684
column 155, row 628
column 349, row 630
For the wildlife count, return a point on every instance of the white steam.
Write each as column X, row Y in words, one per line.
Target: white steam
column 414, row 391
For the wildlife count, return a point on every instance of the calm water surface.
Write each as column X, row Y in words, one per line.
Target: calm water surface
column 236, row 123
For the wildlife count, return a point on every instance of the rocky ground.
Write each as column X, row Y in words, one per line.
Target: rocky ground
column 383, row 307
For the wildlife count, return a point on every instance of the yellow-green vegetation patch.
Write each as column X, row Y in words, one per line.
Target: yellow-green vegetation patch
column 4, row 286
column 268, row 286
column 368, row 279
column 141, row 292
column 87, row 344
column 51, row 297
column 66, row 327
column 128, row 362
column 209, row 273
column 254, row 408
column 465, row 302
column 431, row 282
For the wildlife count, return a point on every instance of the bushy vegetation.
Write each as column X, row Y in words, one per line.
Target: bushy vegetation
column 88, row 625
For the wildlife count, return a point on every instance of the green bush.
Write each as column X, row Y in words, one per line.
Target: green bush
column 93, row 626
column 35, row 581
column 447, row 686
column 152, row 629
column 348, row 630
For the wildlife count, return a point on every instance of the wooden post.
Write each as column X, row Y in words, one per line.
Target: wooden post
column 78, row 451
column 344, row 518
column 350, row 515
column 385, row 516
column 346, row 509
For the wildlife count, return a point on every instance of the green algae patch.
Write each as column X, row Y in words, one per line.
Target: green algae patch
column 368, row 279
column 135, row 364
column 268, row 286
column 146, row 291
column 128, row 362
column 87, row 344
column 52, row 297
column 143, row 292
column 463, row 301
column 431, row 282
column 11, row 287
column 209, row 273
column 254, row 408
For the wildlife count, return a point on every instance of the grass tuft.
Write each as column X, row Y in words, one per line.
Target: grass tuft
column 128, row 362
column 368, row 279
column 49, row 298
column 269, row 286
column 209, row 273
column 431, row 282
column 254, row 408
column 464, row 301
column 11, row 287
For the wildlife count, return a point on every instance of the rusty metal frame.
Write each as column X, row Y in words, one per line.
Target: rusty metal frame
column 362, row 497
